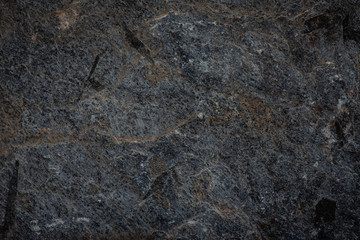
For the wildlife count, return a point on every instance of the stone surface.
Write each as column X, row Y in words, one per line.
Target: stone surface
column 179, row 119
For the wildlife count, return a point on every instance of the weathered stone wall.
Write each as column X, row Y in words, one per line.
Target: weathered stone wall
column 179, row 119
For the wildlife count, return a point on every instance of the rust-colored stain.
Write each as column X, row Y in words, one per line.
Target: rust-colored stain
column 156, row 74
column 318, row 109
column 201, row 186
column 67, row 15
column 164, row 202
column 258, row 114
column 158, row 165
column 225, row 211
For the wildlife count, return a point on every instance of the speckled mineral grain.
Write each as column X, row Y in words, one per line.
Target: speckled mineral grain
column 179, row 119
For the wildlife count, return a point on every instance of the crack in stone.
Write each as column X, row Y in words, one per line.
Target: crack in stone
column 93, row 83
column 9, row 218
column 57, row 139
column 136, row 43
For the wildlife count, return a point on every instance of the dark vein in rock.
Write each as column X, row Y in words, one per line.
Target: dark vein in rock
column 9, row 218
column 97, row 58
column 94, row 83
column 136, row 43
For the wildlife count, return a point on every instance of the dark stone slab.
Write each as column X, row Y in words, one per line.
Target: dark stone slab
column 179, row 119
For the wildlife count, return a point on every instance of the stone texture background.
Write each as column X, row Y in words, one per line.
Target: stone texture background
column 179, row 119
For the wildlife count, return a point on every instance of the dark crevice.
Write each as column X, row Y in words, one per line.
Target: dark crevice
column 157, row 185
column 349, row 33
column 94, row 84
column 323, row 21
column 97, row 58
column 339, row 132
column 317, row 22
column 9, row 218
column 132, row 39
column 325, row 211
column 135, row 43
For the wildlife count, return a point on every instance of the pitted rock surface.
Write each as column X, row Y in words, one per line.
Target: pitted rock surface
column 179, row 119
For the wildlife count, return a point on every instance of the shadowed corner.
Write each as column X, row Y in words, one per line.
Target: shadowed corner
column 9, row 218
column 324, row 215
column 325, row 211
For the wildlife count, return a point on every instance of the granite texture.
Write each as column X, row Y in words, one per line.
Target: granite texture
column 179, row 119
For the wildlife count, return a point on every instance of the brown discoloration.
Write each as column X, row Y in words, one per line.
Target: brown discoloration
column 156, row 73
column 158, row 165
column 222, row 118
column 201, row 185
column 48, row 137
column 93, row 189
column 164, row 202
column 357, row 62
column 67, row 15
column 318, row 109
column 122, row 75
column 225, row 211
column 258, row 114
column 25, row 202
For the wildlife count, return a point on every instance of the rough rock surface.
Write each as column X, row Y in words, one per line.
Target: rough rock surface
column 179, row 119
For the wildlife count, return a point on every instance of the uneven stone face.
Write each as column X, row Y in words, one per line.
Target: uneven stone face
column 179, row 119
